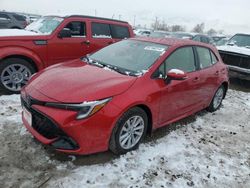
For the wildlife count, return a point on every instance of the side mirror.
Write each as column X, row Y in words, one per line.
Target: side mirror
column 65, row 33
column 231, row 43
column 176, row 74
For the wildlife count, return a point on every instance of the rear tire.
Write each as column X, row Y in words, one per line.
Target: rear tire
column 129, row 131
column 217, row 99
column 14, row 74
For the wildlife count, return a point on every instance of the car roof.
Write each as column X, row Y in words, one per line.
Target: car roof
column 172, row 41
column 85, row 16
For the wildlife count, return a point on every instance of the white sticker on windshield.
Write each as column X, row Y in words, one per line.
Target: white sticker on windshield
column 154, row 48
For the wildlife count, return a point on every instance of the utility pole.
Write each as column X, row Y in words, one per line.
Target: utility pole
column 120, row 16
column 156, row 23
column 95, row 12
column 134, row 20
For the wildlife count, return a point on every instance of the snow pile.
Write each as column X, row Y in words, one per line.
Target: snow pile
column 205, row 150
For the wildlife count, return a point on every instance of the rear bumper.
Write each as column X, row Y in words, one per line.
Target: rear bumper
column 239, row 69
column 239, row 73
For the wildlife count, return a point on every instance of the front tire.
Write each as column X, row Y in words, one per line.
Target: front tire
column 14, row 74
column 217, row 99
column 130, row 129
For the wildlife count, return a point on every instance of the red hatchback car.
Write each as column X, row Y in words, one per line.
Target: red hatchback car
column 112, row 98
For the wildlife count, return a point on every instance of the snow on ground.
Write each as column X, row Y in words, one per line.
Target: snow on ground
column 204, row 150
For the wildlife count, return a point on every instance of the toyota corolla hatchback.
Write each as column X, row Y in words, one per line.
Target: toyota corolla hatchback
column 114, row 97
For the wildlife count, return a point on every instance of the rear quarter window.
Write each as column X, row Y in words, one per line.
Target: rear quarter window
column 120, row 32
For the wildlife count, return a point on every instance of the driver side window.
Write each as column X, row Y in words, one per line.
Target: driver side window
column 77, row 29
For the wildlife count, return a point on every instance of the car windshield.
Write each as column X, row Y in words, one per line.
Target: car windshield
column 240, row 40
column 129, row 56
column 44, row 25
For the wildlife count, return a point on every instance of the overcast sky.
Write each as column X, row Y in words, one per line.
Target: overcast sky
column 229, row 15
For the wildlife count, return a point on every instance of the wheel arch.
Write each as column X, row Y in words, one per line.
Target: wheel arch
column 147, row 110
column 28, row 59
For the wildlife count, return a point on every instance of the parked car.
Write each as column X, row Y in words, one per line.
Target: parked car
column 51, row 40
column 160, row 34
column 181, row 35
column 236, row 54
column 142, row 32
column 12, row 20
column 222, row 42
column 112, row 98
column 217, row 38
column 203, row 38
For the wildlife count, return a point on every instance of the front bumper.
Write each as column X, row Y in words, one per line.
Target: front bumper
column 60, row 129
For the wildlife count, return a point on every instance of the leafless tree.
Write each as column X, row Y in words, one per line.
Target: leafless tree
column 199, row 28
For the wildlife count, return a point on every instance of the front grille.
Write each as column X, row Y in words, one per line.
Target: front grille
column 238, row 60
column 41, row 123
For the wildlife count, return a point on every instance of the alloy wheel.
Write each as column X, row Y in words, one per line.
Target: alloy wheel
column 15, row 76
column 131, row 132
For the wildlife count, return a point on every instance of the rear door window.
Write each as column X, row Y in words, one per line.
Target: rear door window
column 214, row 58
column 119, row 32
column 100, row 30
column 204, row 57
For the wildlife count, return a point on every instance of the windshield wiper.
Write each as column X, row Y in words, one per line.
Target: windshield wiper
column 33, row 30
column 107, row 66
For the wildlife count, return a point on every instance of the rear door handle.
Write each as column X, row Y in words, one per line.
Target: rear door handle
column 196, row 79
column 87, row 42
column 216, row 73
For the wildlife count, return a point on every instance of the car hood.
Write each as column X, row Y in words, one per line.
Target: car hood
column 234, row 49
column 14, row 34
column 76, row 82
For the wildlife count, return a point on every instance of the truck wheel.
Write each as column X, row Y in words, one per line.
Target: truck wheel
column 14, row 74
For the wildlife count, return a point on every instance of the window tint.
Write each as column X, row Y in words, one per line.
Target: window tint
column 19, row 17
column 119, row 32
column 214, row 58
column 204, row 57
column 182, row 59
column 4, row 16
column 78, row 29
column 100, row 30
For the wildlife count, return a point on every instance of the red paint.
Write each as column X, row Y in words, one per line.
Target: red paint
column 57, row 50
column 77, row 82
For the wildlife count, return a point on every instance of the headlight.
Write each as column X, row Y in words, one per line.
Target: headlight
column 84, row 109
